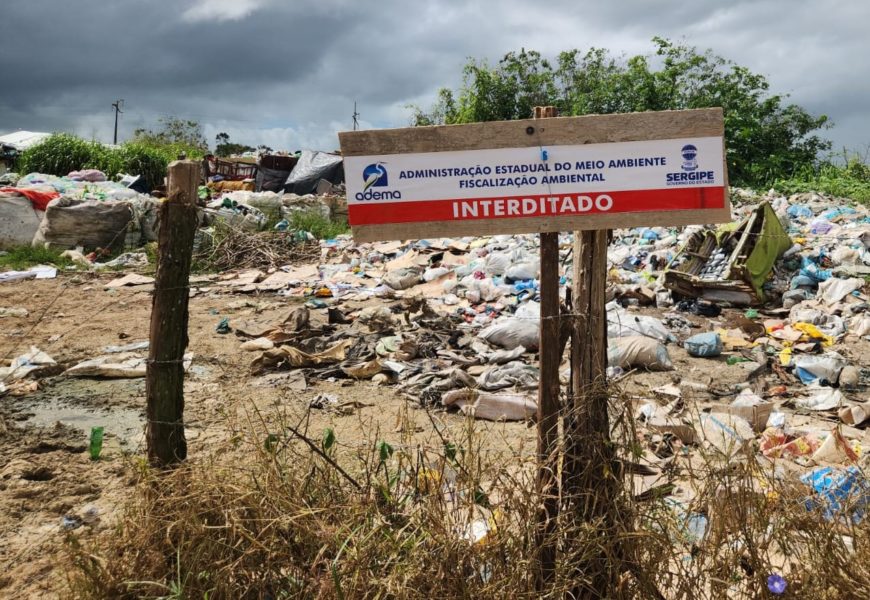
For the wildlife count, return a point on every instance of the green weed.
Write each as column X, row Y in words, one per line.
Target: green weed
column 317, row 225
column 23, row 257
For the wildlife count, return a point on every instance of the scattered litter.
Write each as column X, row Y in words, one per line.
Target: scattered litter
column 122, row 365
column 129, row 280
column 32, row 363
column 491, row 407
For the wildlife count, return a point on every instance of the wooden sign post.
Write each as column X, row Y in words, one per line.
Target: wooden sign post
column 544, row 175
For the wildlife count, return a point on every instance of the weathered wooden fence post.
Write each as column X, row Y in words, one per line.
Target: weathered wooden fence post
column 164, row 380
column 550, row 353
column 590, row 483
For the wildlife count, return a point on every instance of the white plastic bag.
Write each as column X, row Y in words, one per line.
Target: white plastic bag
column 512, row 332
column 638, row 351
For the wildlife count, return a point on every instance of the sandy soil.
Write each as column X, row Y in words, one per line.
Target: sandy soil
column 49, row 485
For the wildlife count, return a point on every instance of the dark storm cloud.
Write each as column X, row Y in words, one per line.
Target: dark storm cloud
column 286, row 73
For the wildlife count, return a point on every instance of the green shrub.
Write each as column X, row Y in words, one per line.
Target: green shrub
column 851, row 180
column 61, row 153
column 317, row 225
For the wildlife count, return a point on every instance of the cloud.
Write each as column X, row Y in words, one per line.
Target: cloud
column 220, row 10
column 287, row 73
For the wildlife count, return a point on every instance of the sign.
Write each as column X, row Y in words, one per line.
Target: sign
column 559, row 174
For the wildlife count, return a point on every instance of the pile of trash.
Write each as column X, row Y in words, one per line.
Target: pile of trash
column 84, row 210
column 81, row 209
column 775, row 300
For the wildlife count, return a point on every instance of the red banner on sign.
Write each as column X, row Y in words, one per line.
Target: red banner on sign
column 544, row 205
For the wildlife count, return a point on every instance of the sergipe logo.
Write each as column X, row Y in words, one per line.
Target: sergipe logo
column 690, row 155
column 690, row 174
column 375, row 175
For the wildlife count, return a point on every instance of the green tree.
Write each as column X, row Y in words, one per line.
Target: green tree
column 183, row 135
column 766, row 137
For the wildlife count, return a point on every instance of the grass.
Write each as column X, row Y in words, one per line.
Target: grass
column 282, row 512
column 61, row 153
column 321, row 227
column 848, row 180
column 24, row 257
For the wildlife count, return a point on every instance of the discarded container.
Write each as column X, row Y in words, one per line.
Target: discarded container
column 96, row 442
column 730, row 265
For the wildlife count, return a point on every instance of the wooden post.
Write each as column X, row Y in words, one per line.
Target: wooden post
column 590, row 483
column 548, row 400
column 164, row 379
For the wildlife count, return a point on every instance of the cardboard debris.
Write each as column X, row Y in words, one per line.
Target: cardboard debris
column 129, row 280
column 293, row 357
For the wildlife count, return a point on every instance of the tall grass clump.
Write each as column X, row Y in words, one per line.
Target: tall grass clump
column 849, row 179
column 61, row 153
column 318, row 225
column 283, row 512
column 23, row 257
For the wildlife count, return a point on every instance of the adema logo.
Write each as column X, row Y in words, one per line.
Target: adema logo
column 689, row 154
column 375, row 175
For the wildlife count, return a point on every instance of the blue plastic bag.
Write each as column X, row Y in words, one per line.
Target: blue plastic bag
column 837, row 489
column 704, row 345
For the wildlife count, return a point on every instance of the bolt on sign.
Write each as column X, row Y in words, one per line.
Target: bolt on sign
column 557, row 174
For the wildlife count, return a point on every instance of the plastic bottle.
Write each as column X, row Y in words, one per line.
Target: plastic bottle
column 96, row 445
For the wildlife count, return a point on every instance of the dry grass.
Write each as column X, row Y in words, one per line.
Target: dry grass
column 231, row 248
column 271, row 515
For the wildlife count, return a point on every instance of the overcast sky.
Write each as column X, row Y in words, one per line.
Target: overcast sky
column 286, row 72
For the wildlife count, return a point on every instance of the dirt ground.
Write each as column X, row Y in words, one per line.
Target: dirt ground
column 49, row 485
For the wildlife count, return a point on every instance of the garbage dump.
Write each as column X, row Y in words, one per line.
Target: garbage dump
column 740, row 341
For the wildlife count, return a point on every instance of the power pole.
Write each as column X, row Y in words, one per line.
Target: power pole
column 355, row 117
column 117, row 104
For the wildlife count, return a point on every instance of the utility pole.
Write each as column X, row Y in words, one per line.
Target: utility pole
column 355, row 117
column 117, row 104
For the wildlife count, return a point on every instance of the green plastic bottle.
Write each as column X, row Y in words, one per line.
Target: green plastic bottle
column 96, row 442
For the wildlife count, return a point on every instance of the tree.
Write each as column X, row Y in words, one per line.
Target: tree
column 226, row 148
column 179, row 134
column 222, row 138
column 766, row 137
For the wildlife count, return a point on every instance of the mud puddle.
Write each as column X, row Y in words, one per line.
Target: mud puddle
column 115, row 405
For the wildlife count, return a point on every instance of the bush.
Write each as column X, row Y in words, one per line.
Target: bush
column 851, row 180
column 61, row 153
column 323, row 228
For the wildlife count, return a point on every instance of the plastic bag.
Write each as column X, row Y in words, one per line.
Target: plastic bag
column 69, row 222
column 522, row 271
column 638, row 351
column 621, row 323
column 825, row 368
column 704, row 345
column 401, row 279
column 510, row 333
